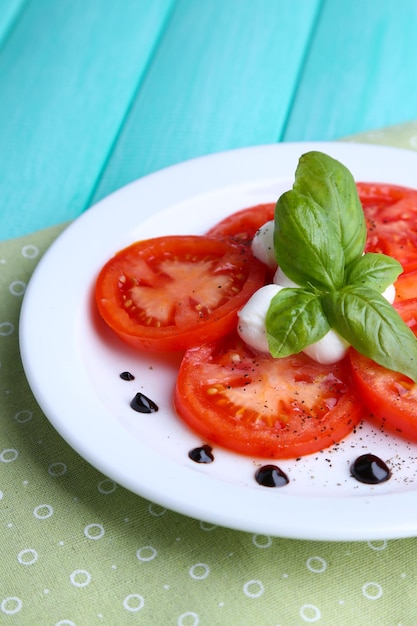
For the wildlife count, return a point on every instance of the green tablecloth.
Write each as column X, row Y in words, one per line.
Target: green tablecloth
column 77, row 549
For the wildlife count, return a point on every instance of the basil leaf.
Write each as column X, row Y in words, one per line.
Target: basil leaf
column 305, row 249
column 294, row 320
column 373, row 270
column 329, row 183
column 373, row 327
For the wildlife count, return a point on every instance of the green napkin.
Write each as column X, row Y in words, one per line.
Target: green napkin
column 79, row 550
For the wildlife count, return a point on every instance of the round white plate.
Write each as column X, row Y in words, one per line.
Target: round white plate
column 72, row 362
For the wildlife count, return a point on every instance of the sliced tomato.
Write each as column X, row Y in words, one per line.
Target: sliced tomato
column 391, row 217
column 390, row 397
column 170, row 293
column 242, row 225
column 256, row 405
column 406, row 286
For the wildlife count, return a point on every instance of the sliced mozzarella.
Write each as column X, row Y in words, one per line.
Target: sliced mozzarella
column 251, row 318
column 263, row 245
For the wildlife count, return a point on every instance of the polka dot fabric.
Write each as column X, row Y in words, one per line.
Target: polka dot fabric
column 79, row 550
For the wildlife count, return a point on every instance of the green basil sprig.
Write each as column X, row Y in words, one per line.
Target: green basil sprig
column 319, row 240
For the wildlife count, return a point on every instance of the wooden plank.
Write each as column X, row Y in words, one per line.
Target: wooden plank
column 9, row 14
column 360, row 73
column 223, row 77
column 68, row 73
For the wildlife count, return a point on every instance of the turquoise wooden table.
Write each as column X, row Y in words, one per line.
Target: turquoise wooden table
column 93, row 95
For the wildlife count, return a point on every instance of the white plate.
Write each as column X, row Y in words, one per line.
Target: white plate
column 73, row 363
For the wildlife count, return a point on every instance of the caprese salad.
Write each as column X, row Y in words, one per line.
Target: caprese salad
column 296, row 320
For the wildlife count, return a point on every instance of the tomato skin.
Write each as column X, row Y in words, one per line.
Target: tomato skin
column 391, row 217
column 147, row 292
column 390, row 396
column 242, row 225
column 250, row 403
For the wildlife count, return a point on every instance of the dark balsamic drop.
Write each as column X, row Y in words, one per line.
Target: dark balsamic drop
column 370, row 469
column 142, row 404
column 127, row 376
column 202, row 454
column 271, row 476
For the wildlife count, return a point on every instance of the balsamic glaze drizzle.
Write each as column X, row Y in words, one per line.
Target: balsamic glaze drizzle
column 127, row 376
column 367, row 468
column 202, row 454
column 271, row 476
column 370, row 469
column 143, row 404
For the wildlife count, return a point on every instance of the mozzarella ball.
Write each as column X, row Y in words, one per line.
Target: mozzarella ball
column 263, row 245
column 251, row 318
column 389, row 293
column 281, row 279
column 329, row 349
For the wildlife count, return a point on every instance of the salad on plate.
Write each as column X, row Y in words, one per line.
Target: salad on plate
column 295, row 320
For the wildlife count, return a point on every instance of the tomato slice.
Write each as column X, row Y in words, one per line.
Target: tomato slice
column 256, row 405
column 170, row 293
column 390, row 396
column 391, row 217
column 242, row 225
column 406, row 286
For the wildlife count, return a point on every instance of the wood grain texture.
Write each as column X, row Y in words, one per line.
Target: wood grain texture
column 68, row 75
column 10, row 10
column 223, row 77
column 96, row 94
column 360, row 72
